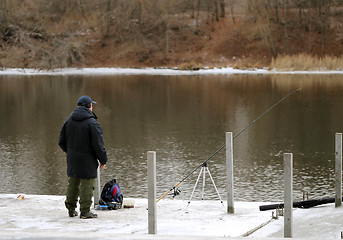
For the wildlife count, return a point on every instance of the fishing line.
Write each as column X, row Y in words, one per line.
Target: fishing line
column 223, row 146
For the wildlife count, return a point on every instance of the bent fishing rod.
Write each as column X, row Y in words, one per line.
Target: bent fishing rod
column 221, row 148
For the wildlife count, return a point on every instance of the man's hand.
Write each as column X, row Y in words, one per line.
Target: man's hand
column 102, row 166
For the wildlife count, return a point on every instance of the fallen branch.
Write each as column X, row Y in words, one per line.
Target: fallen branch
column 256, row 228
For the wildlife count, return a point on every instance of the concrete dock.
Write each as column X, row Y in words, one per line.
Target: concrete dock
column 45, row 217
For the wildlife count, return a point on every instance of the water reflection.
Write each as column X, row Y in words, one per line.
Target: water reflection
column 183, row 119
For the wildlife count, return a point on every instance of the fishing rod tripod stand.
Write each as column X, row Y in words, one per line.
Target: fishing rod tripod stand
column 203, row 170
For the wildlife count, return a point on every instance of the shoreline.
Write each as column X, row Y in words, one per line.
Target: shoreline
column 45, row 216
column 150, row 71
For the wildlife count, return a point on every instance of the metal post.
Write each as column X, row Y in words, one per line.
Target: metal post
column 288, row 195
column 152, row 192
column 338, row 170
column 97, row 190
column 203, row 184
column 229, row 172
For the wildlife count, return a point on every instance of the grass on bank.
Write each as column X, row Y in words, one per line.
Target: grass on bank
column 305, row 62
column 299, row 62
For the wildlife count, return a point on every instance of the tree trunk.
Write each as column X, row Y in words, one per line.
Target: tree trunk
column 232, row 5
column 276, row 6
column 216, row 10
column 139, row 16
column 222, row 8
column 300, row 15
column 5, row 10
column 193, row 8
column 167, row 32
column 198, row 12
column 286, row 25
column 208, row 11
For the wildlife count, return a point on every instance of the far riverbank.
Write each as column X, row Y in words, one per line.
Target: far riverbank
column 153, row 71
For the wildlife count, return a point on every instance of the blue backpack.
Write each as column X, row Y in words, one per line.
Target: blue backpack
column 111, row 193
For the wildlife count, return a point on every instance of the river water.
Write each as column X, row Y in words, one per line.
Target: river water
column 183, row 119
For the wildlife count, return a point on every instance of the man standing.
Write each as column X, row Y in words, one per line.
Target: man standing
column 81, row 138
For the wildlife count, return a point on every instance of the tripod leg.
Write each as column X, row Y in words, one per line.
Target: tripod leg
column 196, row 183
column 214, row 185
column 203, row 184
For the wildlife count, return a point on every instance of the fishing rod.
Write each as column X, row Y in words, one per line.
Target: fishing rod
column 221, row 148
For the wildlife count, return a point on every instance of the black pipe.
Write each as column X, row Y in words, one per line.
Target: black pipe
column 300, row 204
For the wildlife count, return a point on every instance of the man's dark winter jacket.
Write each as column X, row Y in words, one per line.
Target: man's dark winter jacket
column 81, row 138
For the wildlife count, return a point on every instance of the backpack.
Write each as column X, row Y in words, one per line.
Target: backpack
column 111, row 193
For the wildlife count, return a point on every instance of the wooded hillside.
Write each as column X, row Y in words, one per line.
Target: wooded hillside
column 185, row 33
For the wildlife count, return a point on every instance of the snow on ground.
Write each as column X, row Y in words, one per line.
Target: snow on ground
column 321, row 222
column 208, row 218
column 150, row 71
column 123, row 71
column 41, row 216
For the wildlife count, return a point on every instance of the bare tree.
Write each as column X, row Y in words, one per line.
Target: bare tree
column 222, row 8
column 216, row 9
column 231, row 6
column 286, row 8
column 198, row 13
column 3, row 13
